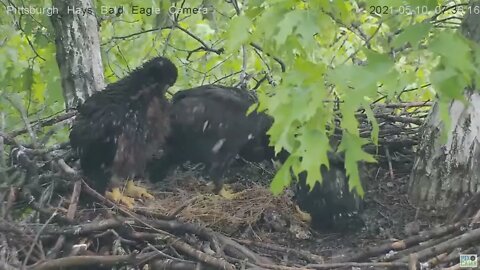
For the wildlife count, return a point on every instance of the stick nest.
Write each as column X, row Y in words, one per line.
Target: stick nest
column 43, row 226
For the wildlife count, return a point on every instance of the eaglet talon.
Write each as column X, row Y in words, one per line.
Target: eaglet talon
column 304, row 216
column 137, row 191
column 117, row 196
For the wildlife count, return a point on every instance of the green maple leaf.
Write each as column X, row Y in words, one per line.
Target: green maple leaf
column 286, row 26
column 238, row 33
column 283, row 177
column 412, row 34
column 455, row 51
column 352, row 146
column 314, row 147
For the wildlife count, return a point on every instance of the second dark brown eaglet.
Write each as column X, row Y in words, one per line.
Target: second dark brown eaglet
column 209, row 125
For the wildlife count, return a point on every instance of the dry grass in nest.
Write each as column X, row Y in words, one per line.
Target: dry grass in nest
column 201, row 206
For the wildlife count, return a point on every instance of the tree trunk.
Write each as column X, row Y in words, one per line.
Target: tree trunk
column 78, row 50
column 445, row 174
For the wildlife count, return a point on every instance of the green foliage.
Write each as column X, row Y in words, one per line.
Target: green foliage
column 283, row 176
column 352, row 146
column 237, row 33
column 354, row 36
column 412, row 34
column 29, row 69
column 332, row 50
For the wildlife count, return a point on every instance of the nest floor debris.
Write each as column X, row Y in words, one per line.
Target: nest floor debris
column 43, row 226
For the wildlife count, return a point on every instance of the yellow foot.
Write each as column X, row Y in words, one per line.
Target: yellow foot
column 228, row 194
column 117, row 196
column 137, row 191
column 305, row 217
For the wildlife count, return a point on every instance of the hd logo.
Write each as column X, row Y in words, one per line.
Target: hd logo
column 468, row 260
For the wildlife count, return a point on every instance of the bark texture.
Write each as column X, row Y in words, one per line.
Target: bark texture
column 446, row 174
column 78, row 50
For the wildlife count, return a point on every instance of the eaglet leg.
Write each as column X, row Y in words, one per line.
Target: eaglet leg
column 129, row 160
column 117, row 195
column 227, row 193
column 217, row 170
column 128, row 196
column 304, row 216
column 137, row 191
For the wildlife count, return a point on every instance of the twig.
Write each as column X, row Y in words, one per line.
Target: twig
column 134, row 34
column 175, row 265
column 72, row 208
column 184, row 248
column 26, row 35
column 84, row 229
column 414, row 249
column 464, row 209
column 44, row 123
column 200, row 256
column 205, row 46
column 184, row 205
column 12, row 194
column 259, row 82
column 152, row 214
column 35, row 240
column 166, row 255
column 469, row 237
column 241, row 251
column 475, row 218
column 8, row 139
column 405, row 104
column 402, row 119
column 367, row 41
column 24, row 117
column 276, row 267
column 67, row 169
column 225, row 77
column 71, row 172
column 390, row 167
column 398, row 245
column 412, row 261
column 310, row 257
column 278, row 60
column 435, row 260
column 359, row 265
column 182, row 227
column 243, row 74
column 49, row 211
column 444, row 9
column 120, row 238
column 121, row 209
column 78, row 261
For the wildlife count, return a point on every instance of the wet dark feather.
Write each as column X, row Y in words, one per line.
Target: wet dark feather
column 114, row 128
column 209, row 125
